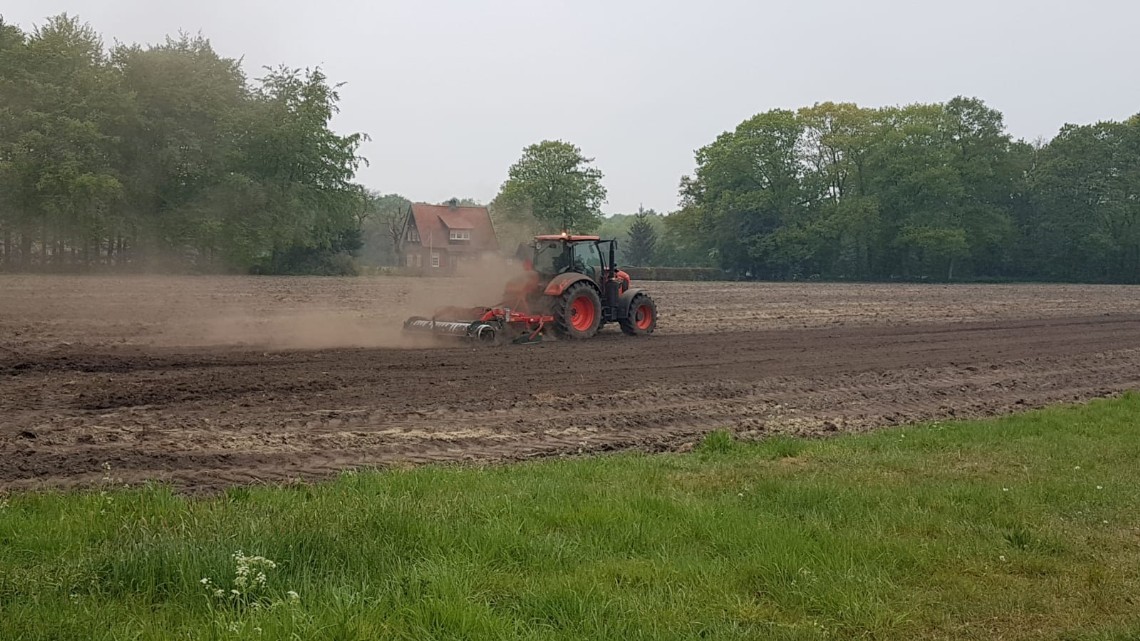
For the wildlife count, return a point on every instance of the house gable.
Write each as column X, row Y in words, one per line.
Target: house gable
column 411, row 231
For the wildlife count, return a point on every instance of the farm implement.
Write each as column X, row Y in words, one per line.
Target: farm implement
column 571, row 287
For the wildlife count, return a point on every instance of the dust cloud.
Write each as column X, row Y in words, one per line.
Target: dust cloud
column 476, row 283
column 46, row 312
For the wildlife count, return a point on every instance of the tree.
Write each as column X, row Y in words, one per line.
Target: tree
column 61, row 102
column 296, row 173
column 684, row 241
column 1088, row 188
column 844, row 216
column 462, row 202
column 167, row 151
column 748, row 190
column 642, row 239
column 180, row 147
column 386, row 228
column 11, row 208
column 555, row 186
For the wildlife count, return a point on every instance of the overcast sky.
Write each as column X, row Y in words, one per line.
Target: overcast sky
column 450, row 91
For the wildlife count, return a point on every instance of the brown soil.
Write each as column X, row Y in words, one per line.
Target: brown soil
column 209, row 382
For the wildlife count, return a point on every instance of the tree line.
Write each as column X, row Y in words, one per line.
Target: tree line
column 837, row 191
column 925, row 191
column 168, row 154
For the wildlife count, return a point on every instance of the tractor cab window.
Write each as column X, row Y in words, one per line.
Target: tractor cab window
column 550, row 257
column 587, row 260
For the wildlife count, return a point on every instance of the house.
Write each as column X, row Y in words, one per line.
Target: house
column 439, row 238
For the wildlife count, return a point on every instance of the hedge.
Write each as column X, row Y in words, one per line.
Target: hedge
column 675, row 273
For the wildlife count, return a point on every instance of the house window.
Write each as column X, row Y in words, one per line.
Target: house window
column 460, row 234
column 435, row 259
column 413, row 235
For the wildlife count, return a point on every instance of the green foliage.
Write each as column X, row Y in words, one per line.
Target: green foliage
column 684, row 241
column 922, row 191
column 1023, row 527
column 642, row 243
column 1087, row 186
column 675, row 273
column 552, row 188
column 166, row 153
column 462, row 202
column 619, row 226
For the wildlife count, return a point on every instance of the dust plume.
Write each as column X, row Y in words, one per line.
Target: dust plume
column 377, row 323
column 41, row 312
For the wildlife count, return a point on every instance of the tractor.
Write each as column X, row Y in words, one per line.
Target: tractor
column 571, row 287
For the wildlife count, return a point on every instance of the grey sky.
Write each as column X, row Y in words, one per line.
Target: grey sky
column 451, row 90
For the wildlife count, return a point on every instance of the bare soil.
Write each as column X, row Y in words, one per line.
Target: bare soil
column 209, row 382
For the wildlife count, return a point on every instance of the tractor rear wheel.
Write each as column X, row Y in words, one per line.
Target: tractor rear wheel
column 642, row 316
column 577, row 312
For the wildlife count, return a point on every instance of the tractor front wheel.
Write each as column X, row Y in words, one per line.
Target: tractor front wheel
column 642, row 316
column 578, row 312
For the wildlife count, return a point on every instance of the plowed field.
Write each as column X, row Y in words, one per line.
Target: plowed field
column 209, row 382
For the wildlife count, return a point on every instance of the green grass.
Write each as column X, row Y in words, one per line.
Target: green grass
column 1024, row 527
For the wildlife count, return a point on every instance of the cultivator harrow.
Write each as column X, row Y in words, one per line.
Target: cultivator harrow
column 491, row 326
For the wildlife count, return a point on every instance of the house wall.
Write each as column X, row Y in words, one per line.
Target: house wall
column 420, row 258
column 417, row 258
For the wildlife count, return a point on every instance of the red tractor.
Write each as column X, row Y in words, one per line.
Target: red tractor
column 571, row 287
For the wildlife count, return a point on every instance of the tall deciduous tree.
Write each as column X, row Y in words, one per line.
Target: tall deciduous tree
column 1088, row 187
column 554, row 185
column 60, row 103
column 748, row 187
column 386, row 227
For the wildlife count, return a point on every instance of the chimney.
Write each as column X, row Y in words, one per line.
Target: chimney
column 453, row 203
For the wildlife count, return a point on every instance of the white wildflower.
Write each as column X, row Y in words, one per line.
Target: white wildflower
column 293, row 596
column 1100, row 487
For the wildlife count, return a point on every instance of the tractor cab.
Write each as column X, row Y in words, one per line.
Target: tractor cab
column 587, row 255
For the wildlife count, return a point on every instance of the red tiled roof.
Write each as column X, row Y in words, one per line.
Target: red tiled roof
column 434, row 222
column 452, row 220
